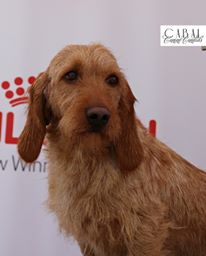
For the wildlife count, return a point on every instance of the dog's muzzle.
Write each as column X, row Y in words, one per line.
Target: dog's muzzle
column 97, row 117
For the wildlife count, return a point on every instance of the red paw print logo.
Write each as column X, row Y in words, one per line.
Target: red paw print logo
column 16, row 93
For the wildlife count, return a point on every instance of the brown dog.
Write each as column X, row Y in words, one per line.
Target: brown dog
column 116, row 189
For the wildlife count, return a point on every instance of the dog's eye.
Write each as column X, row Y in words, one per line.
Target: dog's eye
column 112, row 80
column 71, row 76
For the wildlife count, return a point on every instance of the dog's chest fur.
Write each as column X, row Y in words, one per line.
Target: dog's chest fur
column 89, row 202
column 100, row 206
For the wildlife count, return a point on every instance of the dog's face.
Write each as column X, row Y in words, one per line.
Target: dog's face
column 85, row 90
column 86, row 101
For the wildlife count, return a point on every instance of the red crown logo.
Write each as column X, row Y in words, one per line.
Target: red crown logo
column 16, row 96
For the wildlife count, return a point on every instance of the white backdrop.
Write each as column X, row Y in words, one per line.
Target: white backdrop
column 169, row 82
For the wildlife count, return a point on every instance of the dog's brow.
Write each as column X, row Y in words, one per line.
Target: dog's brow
column 68, row 65
column 91, row 65
column 73, row 65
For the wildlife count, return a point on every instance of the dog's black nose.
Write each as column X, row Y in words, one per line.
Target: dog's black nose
column 97, row 117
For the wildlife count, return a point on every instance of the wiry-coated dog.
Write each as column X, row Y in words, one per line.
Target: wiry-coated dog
column 116, row 189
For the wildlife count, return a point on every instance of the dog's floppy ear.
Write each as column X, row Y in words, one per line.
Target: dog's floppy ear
column 129, row 151
column 32, row 136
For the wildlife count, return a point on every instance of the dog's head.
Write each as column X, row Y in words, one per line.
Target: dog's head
column 84, row 100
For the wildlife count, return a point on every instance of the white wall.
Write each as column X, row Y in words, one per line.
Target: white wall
column 168, row 82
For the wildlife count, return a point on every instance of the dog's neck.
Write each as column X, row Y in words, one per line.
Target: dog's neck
column 83, row 172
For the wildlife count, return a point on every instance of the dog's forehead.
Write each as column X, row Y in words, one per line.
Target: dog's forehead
column 91, row 56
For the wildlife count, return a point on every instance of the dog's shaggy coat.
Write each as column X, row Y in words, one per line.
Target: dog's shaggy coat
column 116, row 189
